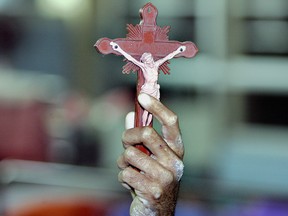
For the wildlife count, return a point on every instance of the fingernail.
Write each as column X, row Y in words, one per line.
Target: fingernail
column 144, row 99
column 126, row 186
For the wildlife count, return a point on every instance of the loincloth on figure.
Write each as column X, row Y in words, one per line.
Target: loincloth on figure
column 153, row 90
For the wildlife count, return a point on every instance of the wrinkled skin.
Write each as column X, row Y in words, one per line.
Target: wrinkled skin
column 155, row 187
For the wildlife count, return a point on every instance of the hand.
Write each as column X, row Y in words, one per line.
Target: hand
column 155, row 187
column 114, row 45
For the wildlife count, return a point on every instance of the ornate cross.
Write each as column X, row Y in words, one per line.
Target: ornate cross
column 146, row 37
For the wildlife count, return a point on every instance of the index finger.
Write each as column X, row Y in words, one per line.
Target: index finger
column 168, row 119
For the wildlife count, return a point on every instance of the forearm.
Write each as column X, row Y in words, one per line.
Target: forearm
column 126, row 55
column 170, row 56
column 173, row 54
column 117, row 48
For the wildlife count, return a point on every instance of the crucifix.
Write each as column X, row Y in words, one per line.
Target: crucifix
column 147, row 51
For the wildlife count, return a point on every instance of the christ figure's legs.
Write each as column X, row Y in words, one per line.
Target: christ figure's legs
column 155, row 92
column 146, row 118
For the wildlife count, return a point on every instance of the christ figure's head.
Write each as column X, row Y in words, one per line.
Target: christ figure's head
column 147, row 58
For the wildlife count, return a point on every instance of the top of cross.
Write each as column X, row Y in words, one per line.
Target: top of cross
column 146, row 37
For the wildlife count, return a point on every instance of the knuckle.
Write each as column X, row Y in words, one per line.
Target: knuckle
column 179, row 147
column 123, row 138
column 156, row 192
column 120, row 176
column 135, row 158
column 168, row 177
column 159, row 194
column 147, row 133
column 181, row 153
column 129, row 154
column 179, row 141
column 120, row 162
column 179, row 169
column 125, row 175
column 172, row 119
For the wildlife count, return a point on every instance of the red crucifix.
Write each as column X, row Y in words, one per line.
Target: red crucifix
column 145, row 37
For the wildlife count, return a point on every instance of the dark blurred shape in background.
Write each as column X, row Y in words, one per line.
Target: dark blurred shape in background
column 10, row 35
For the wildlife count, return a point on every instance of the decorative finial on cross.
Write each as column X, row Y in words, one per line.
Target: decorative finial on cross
column 147, row 50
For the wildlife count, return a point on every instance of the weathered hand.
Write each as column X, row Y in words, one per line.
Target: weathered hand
column 155, row 187
column 114, row 45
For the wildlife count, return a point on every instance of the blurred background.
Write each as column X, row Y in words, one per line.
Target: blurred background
column 62, row 106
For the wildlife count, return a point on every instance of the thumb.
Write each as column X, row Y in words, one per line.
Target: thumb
column 129, row 120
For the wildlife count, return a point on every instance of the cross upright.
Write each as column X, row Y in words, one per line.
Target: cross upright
column 146, row 37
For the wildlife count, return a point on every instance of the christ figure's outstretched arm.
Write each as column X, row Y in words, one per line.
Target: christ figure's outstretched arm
column 171, row 55
column 117, row 48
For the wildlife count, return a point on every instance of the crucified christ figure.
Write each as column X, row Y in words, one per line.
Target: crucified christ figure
column 150, row 69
